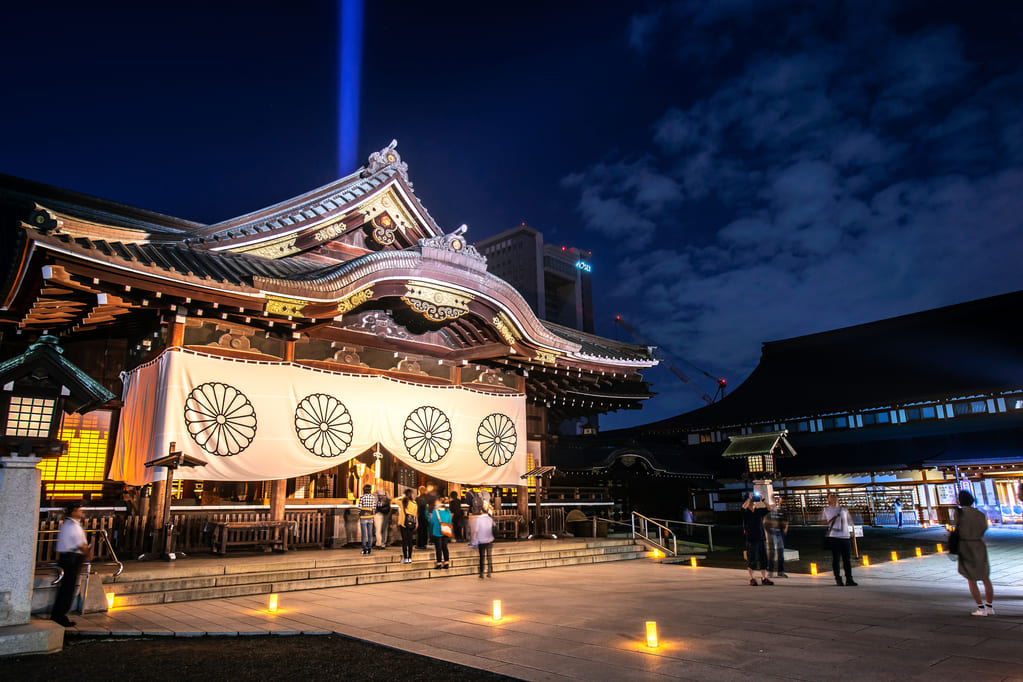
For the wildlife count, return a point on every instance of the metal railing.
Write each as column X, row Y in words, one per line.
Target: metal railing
column 687, row 530
column 662, row 531
column 104, row 539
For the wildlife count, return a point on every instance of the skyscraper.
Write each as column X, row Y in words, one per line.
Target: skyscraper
column 554, row 280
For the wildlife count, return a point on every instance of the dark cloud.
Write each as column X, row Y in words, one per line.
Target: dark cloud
column 863, row 166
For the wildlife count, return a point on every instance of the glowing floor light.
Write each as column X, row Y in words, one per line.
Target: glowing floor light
column 866, row 560
column 271, row 604
column 110, row 600
column 895, row 556
column 919, row 552
column 940, row 548
column 813, row 569
column 651, row 634
column 497, row 609
column 692, row 561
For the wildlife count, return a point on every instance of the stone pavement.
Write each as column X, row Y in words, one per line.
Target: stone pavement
column 906, row 620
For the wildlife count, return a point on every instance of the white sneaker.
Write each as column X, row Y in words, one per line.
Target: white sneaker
column 990, row 610
column 979, row 612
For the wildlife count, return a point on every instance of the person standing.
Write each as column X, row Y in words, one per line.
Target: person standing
column 72, row 551
column 754, row 510
column 382, row 518
column 485, row 543
column 475, row 502
column 422, row 527
column 408, row 519
column 367, row 507
column 438, row 516
column 457, row 516
column 973, row 562
column 777, row 526
column 897, row 506
column 840, row 529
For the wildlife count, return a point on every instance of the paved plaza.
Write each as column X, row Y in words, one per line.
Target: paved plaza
column 906, row 620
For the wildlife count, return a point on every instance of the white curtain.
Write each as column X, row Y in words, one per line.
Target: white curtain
column 254, row 421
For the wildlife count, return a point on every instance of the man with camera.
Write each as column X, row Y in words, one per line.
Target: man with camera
column 754, row 509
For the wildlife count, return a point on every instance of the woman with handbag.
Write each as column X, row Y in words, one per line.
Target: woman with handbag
column 440, row 529
column 408, row 520
column 973, row 564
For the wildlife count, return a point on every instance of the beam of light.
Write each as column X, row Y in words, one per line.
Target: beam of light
column 349, row 71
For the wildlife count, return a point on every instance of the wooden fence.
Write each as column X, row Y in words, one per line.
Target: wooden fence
column 130, row 537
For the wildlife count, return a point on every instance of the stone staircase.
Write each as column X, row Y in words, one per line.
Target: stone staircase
column 196, row 578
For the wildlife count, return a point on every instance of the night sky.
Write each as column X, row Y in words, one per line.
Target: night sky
column 742, row 171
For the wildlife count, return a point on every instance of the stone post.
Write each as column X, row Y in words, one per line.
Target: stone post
column 19, row 517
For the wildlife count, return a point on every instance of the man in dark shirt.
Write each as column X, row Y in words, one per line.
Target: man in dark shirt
column 777, row 526
column 754, row 509
column 457, row 516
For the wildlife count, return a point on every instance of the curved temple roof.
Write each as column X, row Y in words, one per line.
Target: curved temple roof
column 308, row 263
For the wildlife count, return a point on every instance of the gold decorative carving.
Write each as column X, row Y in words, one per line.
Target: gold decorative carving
column 383, row 229
column 353, row 301
column 277, row 249
column 436, row 303
column 279, row 305
column 389, row 203
column 544, row 356
column 329, row 232
column 506, row 329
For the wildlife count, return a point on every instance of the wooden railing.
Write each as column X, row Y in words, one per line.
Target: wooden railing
column 128, row 533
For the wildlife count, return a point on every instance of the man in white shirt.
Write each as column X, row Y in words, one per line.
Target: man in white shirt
column 72, row 551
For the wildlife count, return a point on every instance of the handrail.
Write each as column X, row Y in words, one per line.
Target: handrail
column 708, row 526
column 645, row 534
column 106, row 540
column 56, row 567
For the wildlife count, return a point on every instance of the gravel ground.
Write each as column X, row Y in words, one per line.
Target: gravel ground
column 231, row 658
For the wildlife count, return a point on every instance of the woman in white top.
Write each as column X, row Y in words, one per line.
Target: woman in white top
column 840, row 528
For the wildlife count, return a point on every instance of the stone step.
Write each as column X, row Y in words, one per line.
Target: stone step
column 306, row 575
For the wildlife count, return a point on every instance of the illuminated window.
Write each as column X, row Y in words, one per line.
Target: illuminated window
column 83, row 468
column 30, row 417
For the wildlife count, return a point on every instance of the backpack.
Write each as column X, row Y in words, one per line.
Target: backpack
column 475, row 501
column 410, row 519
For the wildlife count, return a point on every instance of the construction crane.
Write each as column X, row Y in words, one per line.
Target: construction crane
column 671, row 367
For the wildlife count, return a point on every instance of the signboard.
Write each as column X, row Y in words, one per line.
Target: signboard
column 857, row 531
column 946, row 493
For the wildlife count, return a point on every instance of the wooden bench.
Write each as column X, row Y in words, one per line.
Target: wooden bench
column 266, row 534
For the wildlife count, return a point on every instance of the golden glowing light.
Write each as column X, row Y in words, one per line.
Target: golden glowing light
column 655, row 554
column 497, row 609
column 895, row 556
column 940, row 548
column 692, row 561
column 919, row 552
column 813, row 569
column 271, row 605
column 866, row 560
column 651, row 634
column 110, row 600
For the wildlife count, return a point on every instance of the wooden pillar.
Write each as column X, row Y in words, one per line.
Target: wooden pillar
column 278, row 495
column 177, row 331
column 289, row 351
column 156, row 505
column 931, row 517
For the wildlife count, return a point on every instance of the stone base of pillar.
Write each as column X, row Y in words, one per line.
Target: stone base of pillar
column 38, row 637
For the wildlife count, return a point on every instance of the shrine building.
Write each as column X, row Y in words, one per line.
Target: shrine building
column 332, row 340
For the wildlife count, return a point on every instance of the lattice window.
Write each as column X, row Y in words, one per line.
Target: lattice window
column 30, row 417
column 83, row 468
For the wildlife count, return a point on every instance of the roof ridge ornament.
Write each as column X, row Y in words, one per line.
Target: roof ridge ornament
column 388, row 156
column 454, row 242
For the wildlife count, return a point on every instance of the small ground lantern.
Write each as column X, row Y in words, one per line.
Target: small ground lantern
column 497, row 609
column 651, row 634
